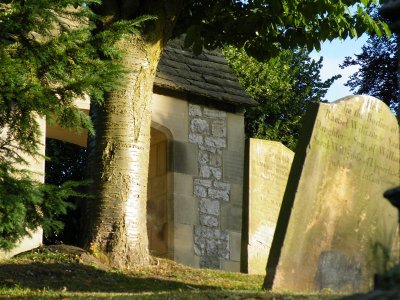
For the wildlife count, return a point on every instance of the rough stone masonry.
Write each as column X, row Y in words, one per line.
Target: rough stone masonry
column 208, row 130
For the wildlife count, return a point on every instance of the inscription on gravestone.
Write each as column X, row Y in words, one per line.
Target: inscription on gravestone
column 269, row 167
column 333, row 214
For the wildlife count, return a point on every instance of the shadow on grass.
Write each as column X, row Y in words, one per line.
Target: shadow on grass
column 82, row 278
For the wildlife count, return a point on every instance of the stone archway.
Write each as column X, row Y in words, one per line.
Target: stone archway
column 68, row 147
column 159, row 190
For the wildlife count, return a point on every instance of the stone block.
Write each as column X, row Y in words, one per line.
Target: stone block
column 235, row 132
column 218, row 128
column 208, row 262
column 186, row 209
column 205, row 172
column 183, row 245
column 203, row 158
column 195, row 110
column 208, row 220
column 200, row 191
column 235, row 240
column 211, row 233
column 183, row 184
column 218, row 194
column 171, row 113
column 203, row 182
column 211, row 248
column 184, row 158
column 233, row 165
column 214, row 113
column 209, row 206
column 230, row 266
column 214, row 142
column 223, row 249
column 215, row 159
column 221, row 185
column 236, row 195
column 207, row 148
column 200, row 126
column 195, row 138
column 231, row 217
column 216, row 248
column 216, row 172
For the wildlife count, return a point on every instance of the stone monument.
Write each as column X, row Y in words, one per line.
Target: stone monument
column 269, row 167
column 335, row 230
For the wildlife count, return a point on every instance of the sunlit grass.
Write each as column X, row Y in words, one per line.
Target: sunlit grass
column 51, row 273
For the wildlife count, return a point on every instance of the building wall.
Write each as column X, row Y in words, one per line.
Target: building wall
column 206, row 166
column 204, row 179
column 36, row 165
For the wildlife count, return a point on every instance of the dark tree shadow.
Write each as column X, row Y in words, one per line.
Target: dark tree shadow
column 81, row 278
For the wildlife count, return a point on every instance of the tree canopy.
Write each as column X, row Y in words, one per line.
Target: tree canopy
column 377, row 73
column 265, row 27
column 282, row 85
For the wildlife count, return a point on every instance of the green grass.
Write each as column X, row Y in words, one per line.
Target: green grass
column 69, row 273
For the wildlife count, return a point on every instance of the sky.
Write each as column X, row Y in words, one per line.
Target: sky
column 334, row 53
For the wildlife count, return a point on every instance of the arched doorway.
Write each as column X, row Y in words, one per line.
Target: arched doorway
column 159, row 203
column 66, row 162
column 68, row 158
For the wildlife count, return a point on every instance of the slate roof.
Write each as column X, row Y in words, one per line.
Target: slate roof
column 207, row 75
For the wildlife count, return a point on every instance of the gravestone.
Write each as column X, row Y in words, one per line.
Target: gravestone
column 335, row 227
column 269, row 167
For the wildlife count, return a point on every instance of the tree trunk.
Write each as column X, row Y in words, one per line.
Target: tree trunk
column 115, row 221
column 116, row 225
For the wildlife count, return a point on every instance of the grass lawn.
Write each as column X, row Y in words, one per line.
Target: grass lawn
column 65, row 272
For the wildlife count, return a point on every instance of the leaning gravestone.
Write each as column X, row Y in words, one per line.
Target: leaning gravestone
column 335, row 226
column 269, row 167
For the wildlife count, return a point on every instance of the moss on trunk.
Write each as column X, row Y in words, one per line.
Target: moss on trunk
column 117, row 215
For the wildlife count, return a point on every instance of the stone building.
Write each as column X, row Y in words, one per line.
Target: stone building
column 195, row 186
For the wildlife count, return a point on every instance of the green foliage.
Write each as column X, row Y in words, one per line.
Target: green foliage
column 47, row 62
column 51, row 53
column 377, row 73
column 265, row 27
column 26, row 204
column 53, row 57
column 282, row 86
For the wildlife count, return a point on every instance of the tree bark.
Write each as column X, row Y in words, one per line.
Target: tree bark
column 115, row 226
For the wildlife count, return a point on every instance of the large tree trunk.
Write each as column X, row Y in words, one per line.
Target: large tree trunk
column 120, row 161
column 116, row 218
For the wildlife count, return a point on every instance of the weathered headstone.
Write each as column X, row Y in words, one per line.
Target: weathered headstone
column 335, row 227
column 269, row 167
